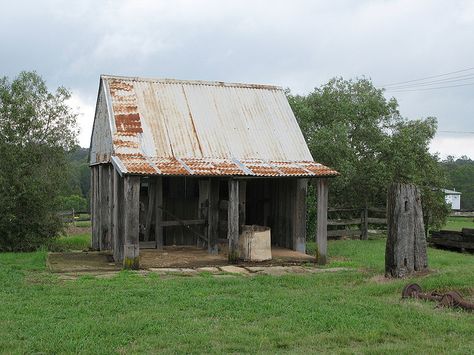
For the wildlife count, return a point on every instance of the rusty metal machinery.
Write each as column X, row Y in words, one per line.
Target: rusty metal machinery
column 449, row 299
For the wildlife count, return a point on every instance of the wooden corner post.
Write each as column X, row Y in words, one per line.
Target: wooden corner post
column 131, row 195
column 233, row 220
column 203, row 211
column 213, row 216
column 118, row 214
column 299, row 215
column 322, row 221
column 95, row 207
column 159, row 212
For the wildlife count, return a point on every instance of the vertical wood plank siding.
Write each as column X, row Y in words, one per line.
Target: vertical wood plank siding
column 299, row 215
column 159, row 212
column 322, row 220
column 213, row 215
column 233, row 220
column 131, row 222
column 118, row 215
column 95, row 207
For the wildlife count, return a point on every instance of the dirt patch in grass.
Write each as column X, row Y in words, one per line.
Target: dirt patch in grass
column 74, row 230
column 80, row 261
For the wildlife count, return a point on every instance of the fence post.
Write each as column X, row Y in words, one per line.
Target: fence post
column 364, row 223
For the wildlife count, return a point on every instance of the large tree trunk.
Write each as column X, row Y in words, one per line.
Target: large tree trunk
column 406, row 242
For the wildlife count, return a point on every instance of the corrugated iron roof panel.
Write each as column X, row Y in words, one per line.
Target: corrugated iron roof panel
column 175, row 127
column 170, row 166
column 137, row 164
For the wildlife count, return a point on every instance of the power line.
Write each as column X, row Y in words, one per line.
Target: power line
column 435, row 82
column 457, row 132
column 428, row 77
column 435, row 88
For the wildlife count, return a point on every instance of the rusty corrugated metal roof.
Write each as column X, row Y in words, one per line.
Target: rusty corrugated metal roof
column 174, row 127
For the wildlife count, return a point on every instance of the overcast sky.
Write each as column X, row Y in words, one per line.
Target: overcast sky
column 295, row 44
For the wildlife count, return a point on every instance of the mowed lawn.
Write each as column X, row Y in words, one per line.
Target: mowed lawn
column 458, row 223
column 353, row 311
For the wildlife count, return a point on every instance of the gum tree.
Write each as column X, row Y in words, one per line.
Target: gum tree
column 37, row 128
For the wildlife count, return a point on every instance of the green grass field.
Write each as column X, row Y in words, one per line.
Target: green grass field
column 458, row 223
column 346, row 312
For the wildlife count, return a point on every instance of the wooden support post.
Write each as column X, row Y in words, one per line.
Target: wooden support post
column 131, row 194
column 213, row 216
column 110, row 206
column 118, row 209
column 104, row 206
column 203, row 210
column 242, row 202
column 266, row 202
column 151, row 208
column 95, row 209
column 322, row 220
column 364, row 223
column 159, row 212
column 233, row 220
column 299, row 216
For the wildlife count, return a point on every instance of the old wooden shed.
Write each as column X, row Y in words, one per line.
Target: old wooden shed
column 189, row 162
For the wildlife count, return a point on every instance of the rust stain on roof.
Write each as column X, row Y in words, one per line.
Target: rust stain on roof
column 136, row 164
column 128, row 124
column 170, row 166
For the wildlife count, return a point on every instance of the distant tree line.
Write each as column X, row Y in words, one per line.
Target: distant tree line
column 76, row 194
column 460, row 176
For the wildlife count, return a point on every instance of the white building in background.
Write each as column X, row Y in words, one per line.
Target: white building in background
column 453, row 198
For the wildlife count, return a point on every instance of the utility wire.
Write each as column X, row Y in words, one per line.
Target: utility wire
column 435, row 82
column 428, row 77
column 435, row 88
column 456, row 132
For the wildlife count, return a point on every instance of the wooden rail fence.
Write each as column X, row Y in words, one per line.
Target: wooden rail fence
column 72, row 216
column 351, row 222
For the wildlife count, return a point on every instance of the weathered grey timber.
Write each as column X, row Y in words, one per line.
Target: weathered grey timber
column 203, row 209
column 365, row 224
column 461, row 241
column 299, row 216
column 110, row 206
column 322, row 220
column 131, row 196
column 242, row 202
column 150, row 210
column 104, row 239
column 159, row 212
column 406, row 242
column 118, row 215
column 213, row 216
column 346, row 218
column 95, row 206
column 233, row 220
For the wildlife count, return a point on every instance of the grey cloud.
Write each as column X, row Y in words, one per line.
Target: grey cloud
column 298, row 44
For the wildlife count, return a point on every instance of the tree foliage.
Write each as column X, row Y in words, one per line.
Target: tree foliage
column 73, row 202
column 37, row 127
column 460, row 174
column 78, row 174
column 349, row 125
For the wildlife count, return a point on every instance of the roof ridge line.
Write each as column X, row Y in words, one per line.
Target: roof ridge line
column 193, row 82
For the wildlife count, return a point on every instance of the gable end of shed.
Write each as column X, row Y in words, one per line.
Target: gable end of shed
column 101, row 147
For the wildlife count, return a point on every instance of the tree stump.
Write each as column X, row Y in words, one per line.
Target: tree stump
column 405, row 251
